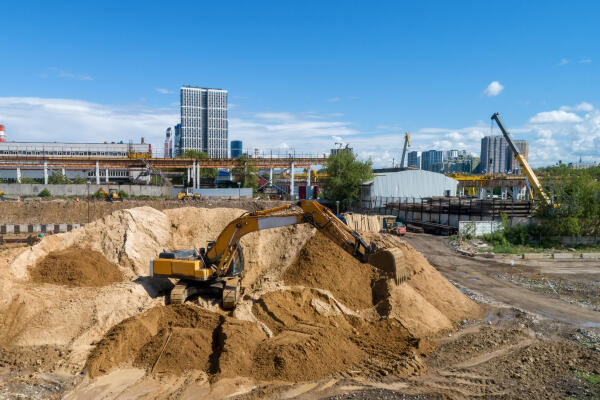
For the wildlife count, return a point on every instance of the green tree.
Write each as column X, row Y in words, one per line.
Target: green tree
column 246, row 173
column 79, row 180
column 345, row 174
column 45, row 193
column 57, row 178
column 28, row 180
column 200, row 155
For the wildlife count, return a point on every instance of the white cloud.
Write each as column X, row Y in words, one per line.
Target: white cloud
column 334, row 99
column 562, row 62
column 48, row 120
column 68, row 75
column 583, row 106
column 493, row 89
column 163, row 91
column 554, row 117
column 585, row 60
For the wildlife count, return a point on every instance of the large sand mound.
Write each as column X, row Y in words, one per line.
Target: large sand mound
column 309, row 309
column 76, row 267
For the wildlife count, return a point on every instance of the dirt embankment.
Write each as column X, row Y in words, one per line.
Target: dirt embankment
column 69, row 211
column 76, row 267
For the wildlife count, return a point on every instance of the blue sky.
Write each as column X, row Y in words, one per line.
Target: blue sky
column 305, row 74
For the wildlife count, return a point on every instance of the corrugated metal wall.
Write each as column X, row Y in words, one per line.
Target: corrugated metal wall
column 411, row 183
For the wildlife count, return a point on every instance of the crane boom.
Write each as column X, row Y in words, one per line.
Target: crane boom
column 406, row 144
column 531, row 177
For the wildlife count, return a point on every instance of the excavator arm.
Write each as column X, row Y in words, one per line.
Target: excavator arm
column 220, row 253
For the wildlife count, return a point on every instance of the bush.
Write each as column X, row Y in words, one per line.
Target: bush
column 123, row 194
column 45, row 193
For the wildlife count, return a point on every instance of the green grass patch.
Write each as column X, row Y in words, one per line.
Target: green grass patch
column 591, row 378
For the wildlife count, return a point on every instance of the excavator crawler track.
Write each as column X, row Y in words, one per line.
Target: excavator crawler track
column 178, row 294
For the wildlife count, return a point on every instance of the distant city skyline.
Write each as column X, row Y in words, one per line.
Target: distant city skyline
column 295, row 80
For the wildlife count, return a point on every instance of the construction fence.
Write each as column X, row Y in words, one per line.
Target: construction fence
column 444, row 214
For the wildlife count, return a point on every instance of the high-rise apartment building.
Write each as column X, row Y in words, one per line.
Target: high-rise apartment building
column 177, row 141
column 432, row 160
column 204, row 121
column 498, row 158
column 414, row 160
column 493, row 154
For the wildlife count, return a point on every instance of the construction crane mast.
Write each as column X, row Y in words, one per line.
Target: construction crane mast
column 531, row 177
column 406, row 144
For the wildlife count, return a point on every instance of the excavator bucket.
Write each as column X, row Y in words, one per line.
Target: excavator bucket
column 390, row 260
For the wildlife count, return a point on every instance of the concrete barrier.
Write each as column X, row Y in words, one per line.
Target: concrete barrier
column 37, row 228
column 33, row 189
column 564, row 256
column 217, row 192
column 591, row 256
column 535, row 256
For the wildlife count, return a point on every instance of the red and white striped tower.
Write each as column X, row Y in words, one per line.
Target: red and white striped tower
column 2, row 139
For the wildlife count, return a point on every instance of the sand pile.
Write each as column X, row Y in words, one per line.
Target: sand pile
column 312, row 339
column 76, row 267
column 323, row 264
column 425, row 304
column 129, row 238
column 175, row 339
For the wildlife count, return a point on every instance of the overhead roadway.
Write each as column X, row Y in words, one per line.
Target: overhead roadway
column 489, row 180
column 35, row 162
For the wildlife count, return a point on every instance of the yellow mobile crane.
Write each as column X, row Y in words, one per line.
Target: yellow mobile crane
column 531, row 177
column 219, row 267
column 406, row 144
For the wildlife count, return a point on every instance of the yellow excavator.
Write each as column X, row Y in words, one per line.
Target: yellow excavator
column 220, row 266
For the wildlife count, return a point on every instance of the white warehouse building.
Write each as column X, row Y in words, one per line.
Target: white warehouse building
column 407, row 184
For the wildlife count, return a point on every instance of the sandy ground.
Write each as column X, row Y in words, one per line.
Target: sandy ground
column 525, row 344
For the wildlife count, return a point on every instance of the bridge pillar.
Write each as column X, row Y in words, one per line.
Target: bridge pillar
column 194, row 174
column 518, row 193
column 292, row 196
column 45, row 173
column 198, row 175
column 481, row 193
column 64, row 173
column 504, row 192
column 461, row 191
column 106, row 175
column 188, row 175
column 271, row 176
column 18, row 174
column 97, row 173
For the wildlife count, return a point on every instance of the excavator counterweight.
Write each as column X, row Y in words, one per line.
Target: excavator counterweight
column 220, row 266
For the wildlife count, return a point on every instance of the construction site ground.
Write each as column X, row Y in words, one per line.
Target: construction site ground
column 80, row 318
